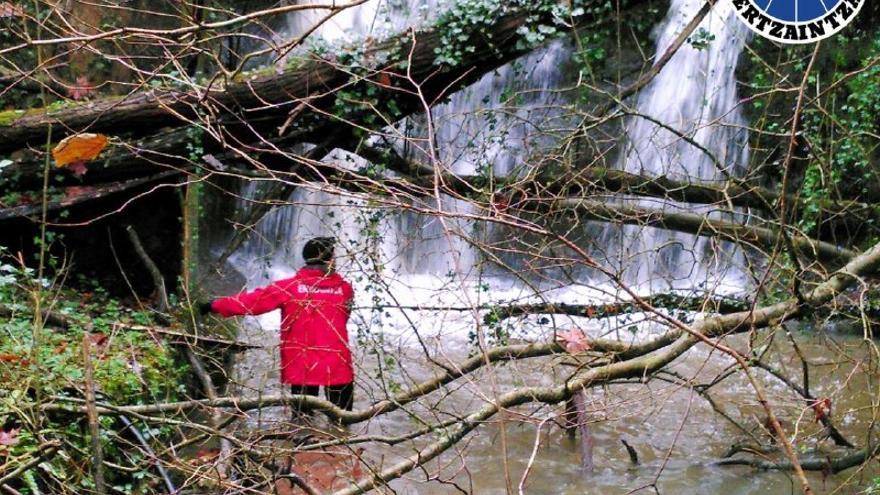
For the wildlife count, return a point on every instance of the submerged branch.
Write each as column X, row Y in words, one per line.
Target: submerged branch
column 828, row 464
column 824, row 418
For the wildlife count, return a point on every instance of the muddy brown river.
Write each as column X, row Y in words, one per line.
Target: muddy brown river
column 677, row 435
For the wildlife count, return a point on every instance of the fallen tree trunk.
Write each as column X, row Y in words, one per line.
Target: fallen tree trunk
column 668, row 301
column 419, row 181
column 410, row 71
column 828, row 464
column 121, row 161
column 81, row 194
column 671, row 302
column 584, row 209
column 592, row 180
column 588, row 179
column 697, row 224
column 541, row 193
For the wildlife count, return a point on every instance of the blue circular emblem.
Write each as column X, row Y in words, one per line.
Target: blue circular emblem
column 797, row 21
column 797, row 10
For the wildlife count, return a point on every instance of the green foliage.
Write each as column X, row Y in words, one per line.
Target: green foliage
column 498, row 331
column 462, row 25
column 701, row 39
column 130, row 367
column 598, row 51
column 361, row 103
column 873, row 488
column 469, row 24
column 465, row 28
column 194, row 143
column 593, row 51
column 846, row 138
column 8, row 117
column 836, row 155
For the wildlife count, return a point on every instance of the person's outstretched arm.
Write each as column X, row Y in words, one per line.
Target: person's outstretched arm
column 256, row 302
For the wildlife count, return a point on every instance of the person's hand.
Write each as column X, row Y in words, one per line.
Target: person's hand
column 204, row 307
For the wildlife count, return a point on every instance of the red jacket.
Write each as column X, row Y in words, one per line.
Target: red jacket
column 315, row 307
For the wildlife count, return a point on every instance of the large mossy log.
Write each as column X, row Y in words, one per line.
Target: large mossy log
column 406, row 68
column 158, row 153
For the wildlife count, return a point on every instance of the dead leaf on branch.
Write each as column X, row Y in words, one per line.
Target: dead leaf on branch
column 97, row 339
column 78, row 168
column 822, row 408
column 10, row 437
column 574, row 341
column 74, row 151
column 25, row 199
column 14, row 359
column 72, row 193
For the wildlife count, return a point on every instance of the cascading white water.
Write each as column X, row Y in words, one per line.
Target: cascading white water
column 471, row 135
column 695, row 95
column 411, row 259
column 417, row 257
column 703, row 138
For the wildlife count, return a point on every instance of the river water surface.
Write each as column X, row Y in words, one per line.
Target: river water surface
column 676, row 433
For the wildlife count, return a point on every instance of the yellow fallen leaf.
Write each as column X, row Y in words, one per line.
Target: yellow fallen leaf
column 79, row 148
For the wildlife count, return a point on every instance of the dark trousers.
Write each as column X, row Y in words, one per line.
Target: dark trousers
column 340, row 395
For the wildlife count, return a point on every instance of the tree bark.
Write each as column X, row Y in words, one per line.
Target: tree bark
column 588, row 179
column 708, row 304
column 315, row 85
column 699, row 224
column 82, row 195
column 827, row 464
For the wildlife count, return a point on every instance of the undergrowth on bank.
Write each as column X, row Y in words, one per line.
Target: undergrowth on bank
column 43, row 363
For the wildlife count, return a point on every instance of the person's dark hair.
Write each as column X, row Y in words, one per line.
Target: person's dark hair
column 318, row 250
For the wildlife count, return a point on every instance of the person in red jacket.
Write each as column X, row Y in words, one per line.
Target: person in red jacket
column 315, row 306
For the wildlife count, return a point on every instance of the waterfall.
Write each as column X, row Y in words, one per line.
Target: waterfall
column 418, row 259
column 471, row 134
column 704, row 139
column 394, row 257
column 695, row 94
